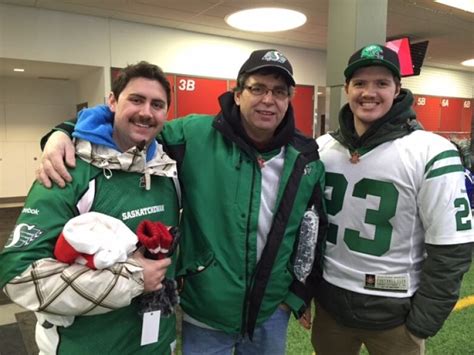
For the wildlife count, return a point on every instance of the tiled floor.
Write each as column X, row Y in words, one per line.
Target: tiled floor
column 11, row 342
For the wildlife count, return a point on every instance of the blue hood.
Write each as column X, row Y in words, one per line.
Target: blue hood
column 95, row 125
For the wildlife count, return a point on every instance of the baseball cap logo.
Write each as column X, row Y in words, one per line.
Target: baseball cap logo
column 373, row 52
column 274, row 56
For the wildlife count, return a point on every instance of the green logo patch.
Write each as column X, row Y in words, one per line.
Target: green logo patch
column 373, row 51
column 23, row 235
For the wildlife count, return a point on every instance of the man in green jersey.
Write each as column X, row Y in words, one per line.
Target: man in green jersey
column 122, row 172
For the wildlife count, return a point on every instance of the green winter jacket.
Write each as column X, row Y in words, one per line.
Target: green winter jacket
column 221, row 186
column 120, row 194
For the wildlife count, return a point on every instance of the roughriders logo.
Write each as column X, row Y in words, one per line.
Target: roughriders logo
column 23, row 235
column 372, row 51
column 274, row 56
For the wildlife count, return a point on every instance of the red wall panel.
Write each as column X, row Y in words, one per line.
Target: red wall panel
column 198, row 95
column 428, row 111
column 451, row 114
column 303, row 105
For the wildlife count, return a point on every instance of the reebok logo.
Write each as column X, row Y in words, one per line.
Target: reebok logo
column 28, row 210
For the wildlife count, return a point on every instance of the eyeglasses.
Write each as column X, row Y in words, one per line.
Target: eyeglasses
column 279, row 93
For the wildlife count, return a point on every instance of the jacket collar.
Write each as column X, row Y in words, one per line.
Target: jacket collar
column 133, row 160
column 399, row 121
column 229, row 123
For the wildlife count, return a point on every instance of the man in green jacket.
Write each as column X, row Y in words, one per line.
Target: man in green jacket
column 124, row 174
column 248, row 177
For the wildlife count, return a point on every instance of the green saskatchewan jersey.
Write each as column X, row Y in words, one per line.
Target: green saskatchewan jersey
column 385, row 207
column 117, row 330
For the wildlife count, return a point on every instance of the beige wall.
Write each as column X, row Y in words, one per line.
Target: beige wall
column 91, row 87
column 52, row 36
column 441, row 82
column 28, row 33
column 28, row 109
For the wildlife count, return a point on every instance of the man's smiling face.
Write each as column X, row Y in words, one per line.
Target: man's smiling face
column 262, row 114
column 370, row 94
column 140, row 112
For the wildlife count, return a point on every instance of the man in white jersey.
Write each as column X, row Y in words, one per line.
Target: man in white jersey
column 400, row 228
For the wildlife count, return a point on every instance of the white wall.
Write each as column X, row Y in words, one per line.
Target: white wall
column 192, row 53
column 441, row 82
column 32, row 105
column 33, row 34
column 28, row 109
column 91, row 88
column 52, row 36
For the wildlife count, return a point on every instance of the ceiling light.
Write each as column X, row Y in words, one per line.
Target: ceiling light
column 266, row 19
column 466, row 5
column 19, row 69
column 468, row 63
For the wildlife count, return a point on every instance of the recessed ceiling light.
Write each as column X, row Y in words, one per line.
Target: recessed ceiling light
column 466, row 5
column 468, row 63
column 266, row 19
column 19, row 69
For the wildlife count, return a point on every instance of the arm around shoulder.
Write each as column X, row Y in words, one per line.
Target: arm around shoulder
column 58, row 153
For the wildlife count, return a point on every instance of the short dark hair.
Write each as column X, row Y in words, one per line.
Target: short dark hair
column 242, row 79
column 142, row 69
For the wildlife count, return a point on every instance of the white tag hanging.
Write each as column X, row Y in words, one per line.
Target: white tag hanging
column 151, row 327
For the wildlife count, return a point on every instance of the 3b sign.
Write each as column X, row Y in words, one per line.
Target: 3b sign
column 187, row 85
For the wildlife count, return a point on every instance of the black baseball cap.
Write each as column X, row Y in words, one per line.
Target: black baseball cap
column 268, row 58
column 373, row 54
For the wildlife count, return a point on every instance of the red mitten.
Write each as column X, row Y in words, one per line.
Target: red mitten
column 65, row 253
column 156, row 237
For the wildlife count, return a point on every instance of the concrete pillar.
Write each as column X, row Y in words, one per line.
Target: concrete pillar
column 351, row 25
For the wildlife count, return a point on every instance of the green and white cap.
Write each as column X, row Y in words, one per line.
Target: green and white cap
column 373, row 54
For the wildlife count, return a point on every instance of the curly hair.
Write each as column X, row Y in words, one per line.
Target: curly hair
column 142, row 69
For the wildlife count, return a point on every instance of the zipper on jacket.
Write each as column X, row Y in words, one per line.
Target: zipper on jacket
column 243, row 327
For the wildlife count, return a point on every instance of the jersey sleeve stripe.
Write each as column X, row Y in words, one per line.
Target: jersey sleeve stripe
column 443, row 155
column 444, row 170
